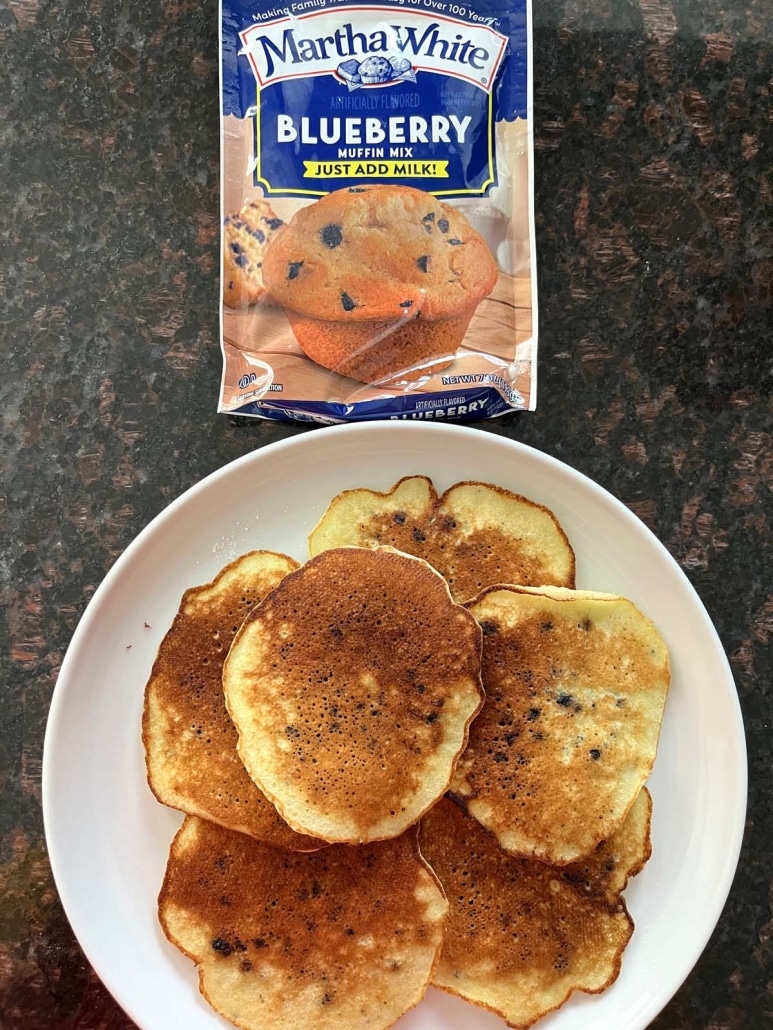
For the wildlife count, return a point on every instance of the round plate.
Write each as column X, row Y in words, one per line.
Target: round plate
column 108, row 838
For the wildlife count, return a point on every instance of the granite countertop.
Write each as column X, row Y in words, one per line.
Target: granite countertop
column 654, row 199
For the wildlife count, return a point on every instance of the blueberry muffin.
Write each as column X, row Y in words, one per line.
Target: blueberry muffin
column 376, row 69
column 379, row 282
column 245, row 238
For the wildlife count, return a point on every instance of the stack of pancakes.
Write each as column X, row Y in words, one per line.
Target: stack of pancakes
column 417, row 758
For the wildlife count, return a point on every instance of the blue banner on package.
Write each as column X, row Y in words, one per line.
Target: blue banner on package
column 343, row 92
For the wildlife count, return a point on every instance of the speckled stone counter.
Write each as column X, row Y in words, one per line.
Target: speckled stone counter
column 654, row 199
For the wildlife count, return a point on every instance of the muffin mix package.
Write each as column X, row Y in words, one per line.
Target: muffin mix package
column 378, row 228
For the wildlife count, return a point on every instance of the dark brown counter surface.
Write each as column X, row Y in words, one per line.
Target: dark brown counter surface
column 654, row 199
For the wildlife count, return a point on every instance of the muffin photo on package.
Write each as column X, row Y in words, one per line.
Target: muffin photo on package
column 377, row 236
column 379, row 281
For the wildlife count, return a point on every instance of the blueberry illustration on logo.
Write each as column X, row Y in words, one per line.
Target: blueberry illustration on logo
column 375, row 71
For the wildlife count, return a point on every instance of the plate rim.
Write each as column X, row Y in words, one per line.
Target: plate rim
column 80, row 638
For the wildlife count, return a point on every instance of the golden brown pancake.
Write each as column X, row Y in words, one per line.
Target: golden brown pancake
column 352, row 686
column 341, row 938
column 575, row 688
column 476, row 535
column 616, row 860
column 522, row 935
column 190, row 741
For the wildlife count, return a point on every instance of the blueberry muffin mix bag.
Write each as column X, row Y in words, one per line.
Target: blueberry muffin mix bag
column 377, row 222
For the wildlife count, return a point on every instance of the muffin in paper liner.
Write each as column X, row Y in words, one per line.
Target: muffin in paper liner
column 379, row 281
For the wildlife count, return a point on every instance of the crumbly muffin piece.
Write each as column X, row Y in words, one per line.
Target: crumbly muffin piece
column 379, row 252
column 246, row 236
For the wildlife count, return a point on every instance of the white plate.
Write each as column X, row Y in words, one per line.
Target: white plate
column 108, row 838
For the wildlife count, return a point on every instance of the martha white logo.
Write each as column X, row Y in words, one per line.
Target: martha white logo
column 375, row 48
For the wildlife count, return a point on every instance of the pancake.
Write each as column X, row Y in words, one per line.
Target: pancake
column 476, row 535
column 190, row 741
column 616, row 860
column 352, row 686
column 341, row 938
column 575, row 684
column 522, row 935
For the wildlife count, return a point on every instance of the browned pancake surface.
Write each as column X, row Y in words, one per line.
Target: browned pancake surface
column 609, row 868
column 341, row 938
column 575, row 688
column 352, row 686
column 475, row 534
column 190, row 741
column 521, row 935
